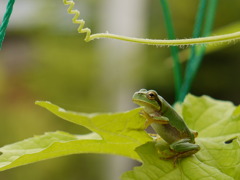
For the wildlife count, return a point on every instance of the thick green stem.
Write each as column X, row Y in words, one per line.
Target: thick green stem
column 174, row 50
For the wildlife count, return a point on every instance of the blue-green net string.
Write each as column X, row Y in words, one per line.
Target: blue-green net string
column 5, row 20
column 174, row 50
column 197, row 57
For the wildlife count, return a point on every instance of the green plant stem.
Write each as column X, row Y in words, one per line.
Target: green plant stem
column 6, row 20
column 198, row 53
column 157, row 42
column 175, row 42
column 174, row 50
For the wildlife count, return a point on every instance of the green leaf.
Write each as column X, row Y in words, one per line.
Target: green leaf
column 118, row 133
column 157, row 169
column 218, row 124
column 236, row 112
column 42, row 147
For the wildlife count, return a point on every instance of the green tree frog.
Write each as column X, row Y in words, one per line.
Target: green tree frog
column 167, row 123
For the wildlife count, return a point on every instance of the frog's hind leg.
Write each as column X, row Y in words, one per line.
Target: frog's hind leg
column 176, row 156
column 184, row 154
column 183, row 148
column 184, row 145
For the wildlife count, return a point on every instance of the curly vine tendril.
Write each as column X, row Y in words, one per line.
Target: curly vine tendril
column 75, row 20
column 177, row 42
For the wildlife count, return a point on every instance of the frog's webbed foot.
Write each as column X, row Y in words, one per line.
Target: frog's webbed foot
column 180, row 149
column 179, row 156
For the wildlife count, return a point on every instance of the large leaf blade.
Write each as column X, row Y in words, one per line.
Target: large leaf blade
column 218, row 124
column 110, row 126
column 157, row 169
column 117, row 133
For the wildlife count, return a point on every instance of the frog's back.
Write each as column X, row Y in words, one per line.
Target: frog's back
column 175, row 119
column 176, row 129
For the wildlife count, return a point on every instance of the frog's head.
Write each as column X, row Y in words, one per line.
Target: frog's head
column 148, row 99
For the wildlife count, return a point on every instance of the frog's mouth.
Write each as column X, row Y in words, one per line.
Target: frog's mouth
column 143, row 103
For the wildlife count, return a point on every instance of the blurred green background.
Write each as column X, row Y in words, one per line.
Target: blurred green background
column 44, row 58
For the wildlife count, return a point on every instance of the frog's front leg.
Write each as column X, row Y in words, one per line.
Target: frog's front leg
column 153, row 119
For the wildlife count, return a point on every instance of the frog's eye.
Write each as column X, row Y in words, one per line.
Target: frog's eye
column 151, row 95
